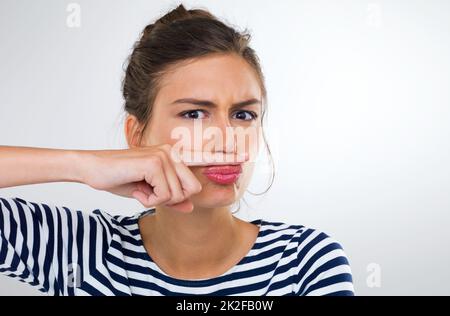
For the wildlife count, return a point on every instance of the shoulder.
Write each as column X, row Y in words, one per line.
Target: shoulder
column 319, row 262
column 308, row 240
column 125, row 227
column 323, row 265
column 277, row 229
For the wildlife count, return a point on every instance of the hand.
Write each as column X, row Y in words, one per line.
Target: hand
column 153, row 175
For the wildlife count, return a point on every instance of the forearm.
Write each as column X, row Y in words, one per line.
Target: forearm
column 31, row 165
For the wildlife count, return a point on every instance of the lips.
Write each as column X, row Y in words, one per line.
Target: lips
column 223, row 174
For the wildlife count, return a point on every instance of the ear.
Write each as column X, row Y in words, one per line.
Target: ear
column 132, row 131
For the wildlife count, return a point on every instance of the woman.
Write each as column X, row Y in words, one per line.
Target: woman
column 188, row 68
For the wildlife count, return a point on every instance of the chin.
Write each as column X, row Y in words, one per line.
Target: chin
column 215, row 195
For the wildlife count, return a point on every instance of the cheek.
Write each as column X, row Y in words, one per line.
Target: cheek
column 246, row 176
column 253, row 142
column 160, row 133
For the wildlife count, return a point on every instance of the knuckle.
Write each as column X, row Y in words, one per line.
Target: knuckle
column 162, row 154
column 195, row 188
column 177, row 198
column 171, row 153
column 166, row 147
column 146, row 204
column 155, row 161
column 165, row 196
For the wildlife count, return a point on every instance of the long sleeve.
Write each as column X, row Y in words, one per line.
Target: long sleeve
column 45, row 245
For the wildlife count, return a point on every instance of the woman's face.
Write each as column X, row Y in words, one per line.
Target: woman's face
column 224, row 80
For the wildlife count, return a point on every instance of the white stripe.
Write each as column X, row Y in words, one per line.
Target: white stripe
column 328, row 273
column 104, row 220
column 277, row 234
column 99, row 257
column 199, row 290
column 86, row 251
column 76, row 269
column 43, row 237
column 7, row 233
column 44, row 241
column 65, row 239
column 342, row 286
column 55, row 265
column 323, row 259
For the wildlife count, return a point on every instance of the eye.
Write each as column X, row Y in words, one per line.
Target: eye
column 245, row 115
column 193, row 114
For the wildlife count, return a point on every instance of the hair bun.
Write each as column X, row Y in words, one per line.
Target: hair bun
column 179, row 13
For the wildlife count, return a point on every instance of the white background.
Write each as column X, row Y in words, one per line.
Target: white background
column 358, row 117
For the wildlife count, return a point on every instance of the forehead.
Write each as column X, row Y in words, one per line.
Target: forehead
column 220, row 78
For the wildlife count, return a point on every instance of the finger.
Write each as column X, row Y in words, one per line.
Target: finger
column 173, row 181
column 141, row 197
column 160, row 189
column 144, row 190
column 189, row 182
column 144, row 187
column 202, row 158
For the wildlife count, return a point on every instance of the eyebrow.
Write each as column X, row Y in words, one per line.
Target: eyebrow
column 208, row 103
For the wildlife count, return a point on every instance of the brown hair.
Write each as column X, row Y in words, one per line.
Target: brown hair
column 179, row 36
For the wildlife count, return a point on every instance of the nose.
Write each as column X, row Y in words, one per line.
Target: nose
column 224, row 134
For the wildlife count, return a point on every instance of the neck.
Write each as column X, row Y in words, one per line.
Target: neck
column 190, row 243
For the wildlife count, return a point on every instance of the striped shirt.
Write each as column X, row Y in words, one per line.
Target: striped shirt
column 63, row 251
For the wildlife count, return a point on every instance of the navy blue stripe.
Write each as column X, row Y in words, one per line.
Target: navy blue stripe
column 4, row 242
column 36, row 224
column 60, row 278
column 338, row 278
column 341, row 293
column 79, row 243
column 313, row 259
column 70, row 238
column 12, row 235
column 263, row 244
column 335, row 262
column 92, row 263
column 242, row 289
column 105, row 234
column 49, row 246
column 23, row 254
